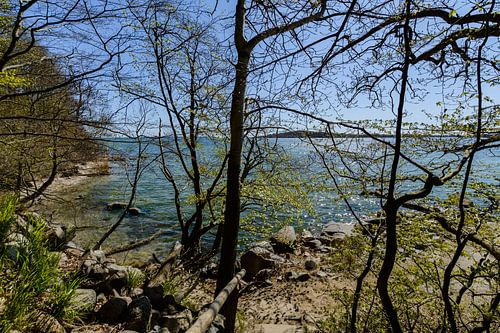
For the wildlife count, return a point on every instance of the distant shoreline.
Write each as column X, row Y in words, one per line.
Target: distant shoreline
column 324, row 135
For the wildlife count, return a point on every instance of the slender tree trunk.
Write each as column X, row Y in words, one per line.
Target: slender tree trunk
column 232, row 213
column 391, row 206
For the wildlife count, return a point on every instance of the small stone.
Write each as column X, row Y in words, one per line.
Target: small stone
column 321, row 274
column 303, row 277
column 98, row 255
column 265, row 245
column 311, row 264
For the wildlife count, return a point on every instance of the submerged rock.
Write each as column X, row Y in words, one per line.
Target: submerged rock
column 116, row 205
column 134, row 211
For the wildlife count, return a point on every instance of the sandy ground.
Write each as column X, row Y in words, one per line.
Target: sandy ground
column 302, row 304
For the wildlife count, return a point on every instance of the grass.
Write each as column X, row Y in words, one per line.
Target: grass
column 30, row 281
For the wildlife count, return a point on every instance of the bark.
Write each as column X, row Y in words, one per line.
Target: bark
column 391, row 206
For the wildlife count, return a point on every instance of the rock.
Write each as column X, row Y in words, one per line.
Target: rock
column 265, row 245
column 257, row 259
column 97, row 255
column 263, row 274
column 73, row 249
column 274, row 328
column 209, row 271
column 306, row 235
column 284, row 240
column 114, row 311
column 63, row 259
column 332, row 240
column 115, row 205
column 44, row 322
column 155, row 296
column 314, row 243
column 136, row 292
column 55, row 236
column 321, row 274
column 101, row 298
column 83, row 300
column 134, row 211
column 139, row 315
column 374, row 220
column 335, row 228
column 12, row 250
column 294, row 276
column 311, row 264
column 177, row 323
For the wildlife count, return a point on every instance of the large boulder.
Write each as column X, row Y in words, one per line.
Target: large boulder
column 284, row 240
column 114, row 310
column 258, row 258
column 139, row 315
column 83, row 300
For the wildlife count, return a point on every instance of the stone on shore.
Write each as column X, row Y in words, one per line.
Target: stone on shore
column 83, row 300
column 114, row 310
column 139, row 315
column 284, row 240
column 257, row 259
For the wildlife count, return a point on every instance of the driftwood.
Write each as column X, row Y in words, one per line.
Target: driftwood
column 165, row 265
column 207, row 317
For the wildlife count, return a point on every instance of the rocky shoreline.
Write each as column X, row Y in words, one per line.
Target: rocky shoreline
column 121, row 298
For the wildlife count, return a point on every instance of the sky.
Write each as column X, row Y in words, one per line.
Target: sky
column 431, row 95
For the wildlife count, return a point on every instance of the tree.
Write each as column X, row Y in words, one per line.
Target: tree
column 244, row 48
column 44, row 88
column 386, row 57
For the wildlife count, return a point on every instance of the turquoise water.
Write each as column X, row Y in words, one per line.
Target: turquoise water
column 155, row 196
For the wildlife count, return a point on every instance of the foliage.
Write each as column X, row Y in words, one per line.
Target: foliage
column 30, row 281
column 416, row 282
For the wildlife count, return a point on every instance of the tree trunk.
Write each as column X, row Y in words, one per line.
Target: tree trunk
column 232, row 213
